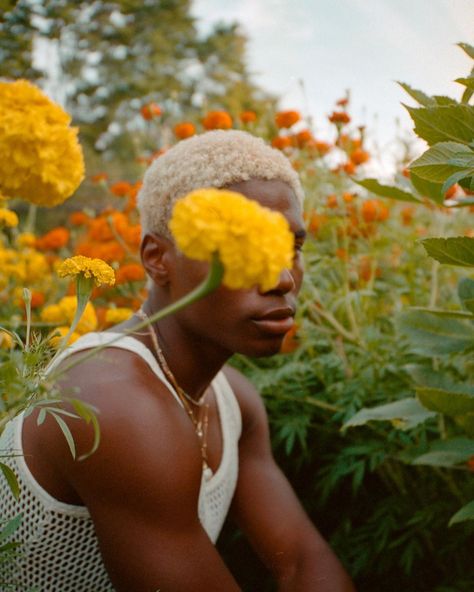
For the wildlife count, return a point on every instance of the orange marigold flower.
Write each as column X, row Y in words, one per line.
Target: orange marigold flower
column 78, row 219
column 303, row 137
column 109, row 251
column 331, row 201
column 373, row 210
column 470, row 464
column 290, row 342
column 121, row 188
column 342, row 102
column 349, row 168
column 130, row 272
column 342, row 254
column 348, row 197
column 451, row 192
column 406, row 173
column 281, row 142
column 339, row 117
column 359, row 156
column 407, row 215
column 99, row 177
column 248, row 116
column 287, row 118
column 53, row 240
column 184, row 130
column 150, row 111
column 316, row 221
column 368, row 268
column 217, row 120
column 37, row 299
column 320, row 146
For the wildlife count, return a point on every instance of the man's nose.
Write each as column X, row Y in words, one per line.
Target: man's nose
column 286, row 283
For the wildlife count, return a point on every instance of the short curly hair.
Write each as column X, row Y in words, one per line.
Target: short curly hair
column 213, row 159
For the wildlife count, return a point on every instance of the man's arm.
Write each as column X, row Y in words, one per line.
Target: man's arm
column 269, row 513
column 142, row 484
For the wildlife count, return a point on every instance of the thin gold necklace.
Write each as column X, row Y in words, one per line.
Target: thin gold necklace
column 201, row 423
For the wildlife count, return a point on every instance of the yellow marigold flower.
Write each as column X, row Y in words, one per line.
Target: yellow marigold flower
column 6, row 340
column 60, row 333
column 45, row 161
column 114, row 316
column 8, row 218
column 63, row 313
column 97, row 269
column 26, row 239
column 254, row 243
column 36, row 265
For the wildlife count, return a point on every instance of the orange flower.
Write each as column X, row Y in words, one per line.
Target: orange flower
column 290, row 342
column 339, row 117
column 130, row 272
column 248, row 116
column 407, row 215
column 37, row 299
column 217, row 120
column 374, row 210
column 316, row 221
column 331, row 201
column 78, row 219
column 406, row 173
column 451, row 192
column 359, row 156
column 121, row 188
column 55, row 239
column 303, row 137
column 342, row 102
column 99, row 177
column 287, row 118
column 184, row 130
column 281, row 142
column 109, row 251
column 349, row 168
column 320, row 146
column 368, row 269
column 342, row 254
column 348, row 197
column 150, row 111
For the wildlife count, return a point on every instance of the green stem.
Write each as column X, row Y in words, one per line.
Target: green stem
column 31, row 218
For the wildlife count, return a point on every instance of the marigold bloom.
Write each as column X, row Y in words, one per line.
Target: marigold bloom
column 53, row 240
column 121, row 188
column 96, row 269
column 290, row 342
column 281, row 142
column 406, row 215
column 303, row 137
column 373, row 210
column 349, row 168
column 109, row 251
column 6, row 340
column 150, row 111
column 8, row 218
column 254, row 244
column 78, row 219
column 217, row 120
column 359, row 156
column 131, row 272
column 99, row 177
column 287, row 118
column 26, row 239
column 114, row 316
column 37, row 299
column 63, row 314
column 184, row 130
column 45, row 161
column 332, row 201
column 59, row 334
column 339, row 117
column 248, row 116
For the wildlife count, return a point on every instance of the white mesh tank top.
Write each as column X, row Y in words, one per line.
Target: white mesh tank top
column 60, row 552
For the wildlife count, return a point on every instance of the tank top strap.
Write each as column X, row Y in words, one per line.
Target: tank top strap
column 229, row 404
column 118, row 340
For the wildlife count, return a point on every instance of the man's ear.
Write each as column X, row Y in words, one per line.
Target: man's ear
column 156, row 252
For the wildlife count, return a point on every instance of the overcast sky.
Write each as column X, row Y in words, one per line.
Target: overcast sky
column 361, row 45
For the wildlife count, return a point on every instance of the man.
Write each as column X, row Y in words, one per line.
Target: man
column 184, row 437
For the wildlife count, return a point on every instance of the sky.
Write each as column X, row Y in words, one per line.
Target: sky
column 309, row 52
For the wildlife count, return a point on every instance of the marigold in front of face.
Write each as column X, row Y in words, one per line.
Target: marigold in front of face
column 254, row 244
column 96, row 269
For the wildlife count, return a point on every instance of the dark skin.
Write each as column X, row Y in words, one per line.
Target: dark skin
column 142, row 484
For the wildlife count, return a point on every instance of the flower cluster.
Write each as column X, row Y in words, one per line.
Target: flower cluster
column 96, row 269
column 253, row 243
column 45, row 162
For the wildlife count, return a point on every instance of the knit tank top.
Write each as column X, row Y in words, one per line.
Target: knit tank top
column 60, row 551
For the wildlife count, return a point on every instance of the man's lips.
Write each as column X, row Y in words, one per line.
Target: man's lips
column 277, row 321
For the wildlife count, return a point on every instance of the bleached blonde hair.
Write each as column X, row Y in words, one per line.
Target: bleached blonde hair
column 213, row 159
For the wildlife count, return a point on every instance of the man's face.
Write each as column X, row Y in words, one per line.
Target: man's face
column 250, row 322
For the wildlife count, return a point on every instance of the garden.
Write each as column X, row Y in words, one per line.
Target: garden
column 371, row 398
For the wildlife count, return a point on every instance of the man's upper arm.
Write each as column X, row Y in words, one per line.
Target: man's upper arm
column 141, row 497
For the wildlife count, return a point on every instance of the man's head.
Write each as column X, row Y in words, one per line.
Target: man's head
column 213, row 159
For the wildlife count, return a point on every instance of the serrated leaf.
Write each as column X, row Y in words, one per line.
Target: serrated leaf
column 447, row 123
column 436, row 164
column 456, row 177
column 465, row 513
column 12, row 481
column 427, row 188
column 447, row 453
column 469, row 49
column 448, row 402
column 404, row 414
column 468, row 82
column 10, row 527
column 456, row 250
column 432, row 335
column 443, row 100
column 389, row 191
column 419, row 96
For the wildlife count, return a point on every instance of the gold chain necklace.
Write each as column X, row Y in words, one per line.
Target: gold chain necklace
column 201, row 423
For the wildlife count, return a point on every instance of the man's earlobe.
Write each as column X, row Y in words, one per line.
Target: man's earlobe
column 155, row 255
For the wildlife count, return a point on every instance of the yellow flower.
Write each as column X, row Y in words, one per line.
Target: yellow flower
column 8, row 218
column 114, row 316
column 6, row 340
column 97, row 269
column 26, row 239
column 63, row 313
column 254, row 243
column 60, row 333
column 45, row 161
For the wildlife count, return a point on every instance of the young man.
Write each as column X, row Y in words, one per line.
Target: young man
column 184, row 438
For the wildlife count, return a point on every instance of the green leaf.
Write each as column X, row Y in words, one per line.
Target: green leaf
column 456, row 250
column 447, row 314
column 432, row 335
column 437, row 164
column 467, row 82
column 418, row 95
column 456, row 177
column 446, row 453
column 447, row 123
column 11, row 480
column 466, row 293
column 89, row 414
column 387, row 190
column 465, row 513
column 10, row 527
column 67, row 433
column 404, row 414
column 442, row 100
column 448, row 402
column 427, row 188
column 469, row 49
